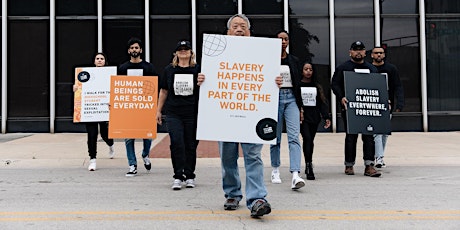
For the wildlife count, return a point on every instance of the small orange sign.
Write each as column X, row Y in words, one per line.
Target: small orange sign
column 133, row 107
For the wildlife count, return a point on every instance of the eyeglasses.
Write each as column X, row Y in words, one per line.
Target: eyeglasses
column 377, row 52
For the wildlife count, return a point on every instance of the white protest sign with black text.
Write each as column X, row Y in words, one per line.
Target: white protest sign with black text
column 239, row 97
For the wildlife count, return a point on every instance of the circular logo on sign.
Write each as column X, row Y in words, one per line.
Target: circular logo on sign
column 266, row 129
column 83, row 76
column 214, row 45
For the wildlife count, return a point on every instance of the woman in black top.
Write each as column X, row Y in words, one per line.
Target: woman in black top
column 92, row 128
column 179, row 100
column 314, row 106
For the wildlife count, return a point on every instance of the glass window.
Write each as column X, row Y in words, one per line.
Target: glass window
column 401, row 37
column 263, row 7
column 76, row 7
column 354, row 7
column 216, row 26
column 164, row 40
column 28, row 69
column 443, row 53
column 170, row 7
column 76, row 44
column 309, row 41
column 265, row 27
column 442, row 6
column 122, row 7
column 399, row 7
column 304, row 7
column 116, row 34
column 348, row 30
column 28, row 8
column 213, row 7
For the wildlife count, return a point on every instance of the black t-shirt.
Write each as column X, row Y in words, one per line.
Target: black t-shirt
column 180, row 104
column 313, row 114
column 148, row 69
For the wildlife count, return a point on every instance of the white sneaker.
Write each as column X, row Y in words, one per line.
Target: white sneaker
column 297, row 182
column 276, row 177
column 190, row 183
column 92, row 165
column 111, row 152
column 379, row 163
column 177, row 184
column 132, row 171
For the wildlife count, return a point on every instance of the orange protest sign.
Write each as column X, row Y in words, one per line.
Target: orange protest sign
column 133, row 107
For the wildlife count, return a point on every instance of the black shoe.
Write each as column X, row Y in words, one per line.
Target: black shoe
column 132, row 171
column 231, row 204
column 260, row 208
column 309, row 171
column 147, row 163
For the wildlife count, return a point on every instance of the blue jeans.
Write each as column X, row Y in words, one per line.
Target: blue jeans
column 287, row 110
column 131, row 154
column 231, row 182
column 182, row 133
column 380, row 143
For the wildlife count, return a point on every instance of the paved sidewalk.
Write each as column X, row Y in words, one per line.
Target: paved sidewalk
column 69, row 150
column 45, row 184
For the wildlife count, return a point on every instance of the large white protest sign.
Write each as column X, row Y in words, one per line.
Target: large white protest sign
column 239, row 97
column 92, row 97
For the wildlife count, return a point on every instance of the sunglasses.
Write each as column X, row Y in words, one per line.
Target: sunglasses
column 377, row 52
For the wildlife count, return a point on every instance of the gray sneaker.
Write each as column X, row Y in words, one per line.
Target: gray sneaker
column 190, row 183
column 260, row 208
column 177, row 184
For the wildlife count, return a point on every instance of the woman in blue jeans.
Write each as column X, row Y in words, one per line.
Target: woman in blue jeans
column 289, row 106
column 179, row 100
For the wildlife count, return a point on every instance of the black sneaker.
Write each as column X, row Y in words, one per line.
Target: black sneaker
column 260, row 208
column 231, row 204
column 132, row 171
column 147, row 163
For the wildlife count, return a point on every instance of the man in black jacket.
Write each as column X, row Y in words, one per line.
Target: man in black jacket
column 356, row 64
column 395, row 90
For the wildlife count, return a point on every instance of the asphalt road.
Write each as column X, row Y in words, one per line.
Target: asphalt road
column 44, row 184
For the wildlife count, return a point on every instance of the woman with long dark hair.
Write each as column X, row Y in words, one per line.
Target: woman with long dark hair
column 314, row 107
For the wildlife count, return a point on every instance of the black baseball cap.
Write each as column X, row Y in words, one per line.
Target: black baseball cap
column 184, row 44
column 357, row 45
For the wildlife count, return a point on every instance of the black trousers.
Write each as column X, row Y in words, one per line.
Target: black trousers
column 92, row 130
column 182, row 133
column 350, row 145
column 308, row 132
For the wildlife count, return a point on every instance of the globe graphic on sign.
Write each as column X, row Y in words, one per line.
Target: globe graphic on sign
column 148, row 89
column 214, row 45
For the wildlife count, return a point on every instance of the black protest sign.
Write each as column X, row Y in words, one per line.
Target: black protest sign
column 367, row 110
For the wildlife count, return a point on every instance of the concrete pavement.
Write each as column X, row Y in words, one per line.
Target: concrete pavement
column 45, row 185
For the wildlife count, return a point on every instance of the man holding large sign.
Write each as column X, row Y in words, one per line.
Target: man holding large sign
column 136, row 94
column 240, row 91
column 358, row 65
